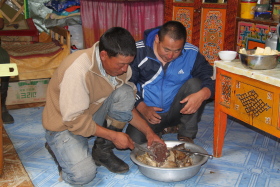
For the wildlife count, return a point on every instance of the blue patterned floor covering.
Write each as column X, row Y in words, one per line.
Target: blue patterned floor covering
column 250, row 157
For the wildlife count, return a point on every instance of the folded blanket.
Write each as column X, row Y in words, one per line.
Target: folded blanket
column 18, row 40
column 33, row 50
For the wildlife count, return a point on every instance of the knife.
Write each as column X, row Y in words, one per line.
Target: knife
column 144, row 149
column 197, row 153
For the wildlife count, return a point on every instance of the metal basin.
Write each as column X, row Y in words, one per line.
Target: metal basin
column 258, row 62
column 173, row 174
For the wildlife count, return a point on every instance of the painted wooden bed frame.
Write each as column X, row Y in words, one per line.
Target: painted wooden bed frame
column 43, row 67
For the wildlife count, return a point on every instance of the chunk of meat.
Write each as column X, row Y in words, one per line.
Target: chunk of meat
column 160, row 150
column 168, row 158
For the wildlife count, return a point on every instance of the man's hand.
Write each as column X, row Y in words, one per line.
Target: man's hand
column 122, row 141
column 141, row 124
column 119, row 139
column 194, row 101
column 152, row 137
column 149, row 113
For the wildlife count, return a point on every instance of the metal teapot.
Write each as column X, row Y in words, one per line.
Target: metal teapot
column 272, row 40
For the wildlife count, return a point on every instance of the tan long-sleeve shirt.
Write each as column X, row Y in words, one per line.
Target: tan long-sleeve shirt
column 76, row 91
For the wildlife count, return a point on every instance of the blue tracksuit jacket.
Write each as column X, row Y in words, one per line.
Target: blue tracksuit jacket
column 157, row 87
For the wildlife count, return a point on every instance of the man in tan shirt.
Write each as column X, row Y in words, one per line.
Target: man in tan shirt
column 89, row 95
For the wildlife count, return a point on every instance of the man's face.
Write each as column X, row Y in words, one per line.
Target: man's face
column 115, row 66
column 168, row 49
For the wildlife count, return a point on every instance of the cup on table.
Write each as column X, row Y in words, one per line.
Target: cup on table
column 227, row 56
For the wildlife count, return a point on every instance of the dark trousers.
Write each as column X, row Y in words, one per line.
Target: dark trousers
column 4, row 59
column 187, row 123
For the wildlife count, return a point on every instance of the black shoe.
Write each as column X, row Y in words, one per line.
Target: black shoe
column 7, row 118
column 103, row 154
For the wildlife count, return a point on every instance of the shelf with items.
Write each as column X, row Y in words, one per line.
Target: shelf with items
column 259, row 21
column 252, row 33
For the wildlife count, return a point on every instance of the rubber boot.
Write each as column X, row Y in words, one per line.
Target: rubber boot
column 6, row 116
column 102, row 153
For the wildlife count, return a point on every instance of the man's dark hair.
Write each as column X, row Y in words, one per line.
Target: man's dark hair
column 174, row 29
column 117, row 41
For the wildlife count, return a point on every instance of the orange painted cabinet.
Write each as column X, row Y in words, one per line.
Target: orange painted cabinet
column 251, row 96
column 210, row 24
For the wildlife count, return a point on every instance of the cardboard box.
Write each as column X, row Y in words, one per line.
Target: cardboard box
column 29, row 91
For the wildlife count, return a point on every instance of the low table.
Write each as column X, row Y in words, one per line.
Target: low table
column 251, row 96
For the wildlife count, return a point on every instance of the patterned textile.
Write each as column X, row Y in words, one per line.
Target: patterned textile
column 21, row 31
column 16, row 40
column 60, row 5
column 21, row 28
column 33, row 50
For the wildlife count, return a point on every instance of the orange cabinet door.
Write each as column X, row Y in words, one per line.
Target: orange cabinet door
column 185, row 16
column 209, row 23
column 212, row 32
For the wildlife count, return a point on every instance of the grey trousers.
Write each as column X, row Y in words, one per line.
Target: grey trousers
column 72, row 151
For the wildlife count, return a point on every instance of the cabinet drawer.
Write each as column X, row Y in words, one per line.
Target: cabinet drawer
column 254, row 104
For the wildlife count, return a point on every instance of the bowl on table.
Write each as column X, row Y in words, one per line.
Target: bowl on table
column 227, row 56
column 173, row 174
column 258, row 62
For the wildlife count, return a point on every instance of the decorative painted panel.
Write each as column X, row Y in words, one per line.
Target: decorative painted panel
column 252, row 35
column 226, row 91
column 192, row 13
column 212, row 32
column 254, row 103
column 185, row 16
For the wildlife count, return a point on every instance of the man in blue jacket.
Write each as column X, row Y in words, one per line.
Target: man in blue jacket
column 173, row 82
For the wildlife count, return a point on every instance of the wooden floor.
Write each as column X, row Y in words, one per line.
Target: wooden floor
column 14, row 174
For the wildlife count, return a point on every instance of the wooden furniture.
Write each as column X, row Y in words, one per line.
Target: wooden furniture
column 19, row 32
column 253, row 33
column 17, row 14
column 62, row 35
column 251, row 96
column 210, row 24
column 40, row 67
